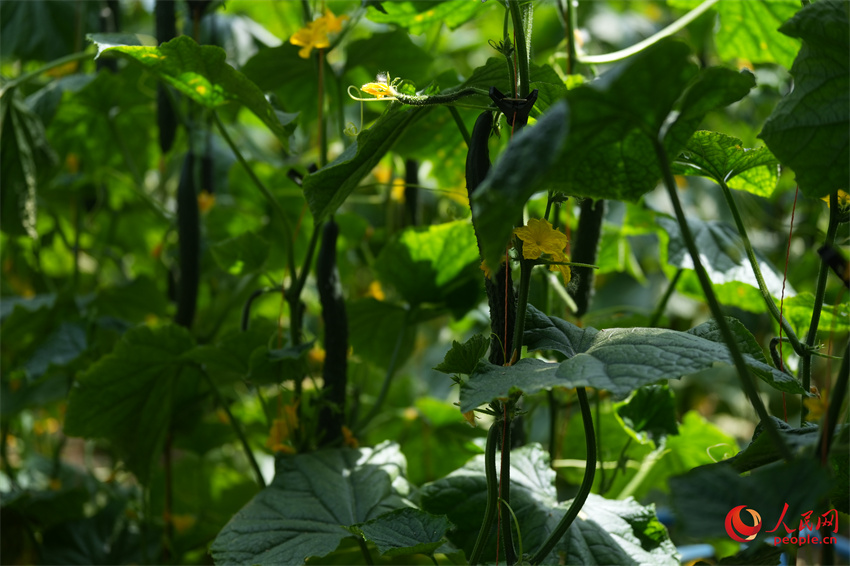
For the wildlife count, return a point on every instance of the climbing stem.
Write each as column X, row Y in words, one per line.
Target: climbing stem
column 662, row 304
column 460, row 125
column 521, row 306
column 586, row 482
column 714, row 306
column 836, row 401
column 672, row 29
column 519, row 24
column 820, row 290
column 492, row 494
column 768, row 298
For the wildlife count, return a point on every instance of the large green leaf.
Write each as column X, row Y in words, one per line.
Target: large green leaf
column 43, row 30
column 25, row 159
column 133, row 301
column 704, row 496
column 618, row 360
column 497, row 202
column 606, row 532
column 405, row 531
column 809, row 129
column 421, row 16
column 436, row 264
column 615, row 119
column 63, row 346
column 722, row 158
column 127, row 396
column 200, row 73
column 762, row 451
column 651, row 409
column 722, row 254
column 310, row 504
column 749, row 30
column 327, row 188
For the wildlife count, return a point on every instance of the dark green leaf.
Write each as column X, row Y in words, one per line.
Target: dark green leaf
column 200, row 73
column 132, row 302
column 462, row 358
column 494, row 73
column 246, row 253
column 312, row 500
column 127, row 396
column 498, row 200
column 25, row 306
column 274, row 366
column 746, row 342
column 406, row 531
column 25, row 160
column 651, row 409
column 43, row 30
column 607, row 532
column 722, row 158
column 420, row 16
column 703, row 497
column 328, row 187
column 722, row 254
column 489, row 381
column 437, row 264
column 809, row 129
column 615, row 119
column 228, row 360
column 63, row 346
column 374, row 328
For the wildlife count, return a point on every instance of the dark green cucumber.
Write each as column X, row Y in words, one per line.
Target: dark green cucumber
column 411, row 190
column 585, row 249
column 500, row 293
column 189, row 244
column 335, row 372
column 166, row 119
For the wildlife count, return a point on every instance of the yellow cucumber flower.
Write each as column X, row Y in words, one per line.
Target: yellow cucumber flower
column 538, row 238
column 315, row 34
column 379, row 90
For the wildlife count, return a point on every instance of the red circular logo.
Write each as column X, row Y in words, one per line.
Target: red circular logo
column 736, row 528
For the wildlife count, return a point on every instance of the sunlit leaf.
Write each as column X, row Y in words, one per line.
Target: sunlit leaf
column 200, row 73
column 405, row 531
column 809, row 129
column 722, row 158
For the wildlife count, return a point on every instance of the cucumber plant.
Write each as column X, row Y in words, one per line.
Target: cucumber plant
column 576, row 231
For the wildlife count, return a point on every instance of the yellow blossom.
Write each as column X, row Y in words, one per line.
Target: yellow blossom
column 205, row 201
column 566, row 274
column 470, row 418
column 379, row 90
column 538, row 238
column 843, row 199
column 376, row 291
column 282, row 429
column 315, row 34
column 348, row 438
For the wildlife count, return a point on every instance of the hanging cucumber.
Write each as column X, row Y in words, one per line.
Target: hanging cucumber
column 332, row 413
column 585, row 250
column 166, row 119
column 500, row 293
column 189, row 244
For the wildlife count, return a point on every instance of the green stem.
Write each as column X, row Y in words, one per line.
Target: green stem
column 583, row 490
column 729, row 338
column 364, row 550
column 237, row 429
column 836, row 401
column 672, row 29
column 820, row 290
column 505, row 485
column 521, row 306
column 290, row 251
column 460, row 125
column 492, row 494
column 659, row 310
column 571, row 21
column 35, row 74
column 768, row 298
column 521, row 44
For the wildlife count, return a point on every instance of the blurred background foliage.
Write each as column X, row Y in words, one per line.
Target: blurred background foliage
column 90, row 252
